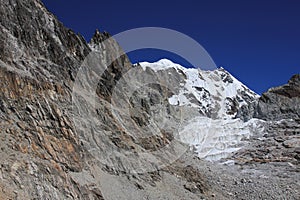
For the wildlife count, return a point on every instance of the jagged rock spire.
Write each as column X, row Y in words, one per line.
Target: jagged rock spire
column 99, row 37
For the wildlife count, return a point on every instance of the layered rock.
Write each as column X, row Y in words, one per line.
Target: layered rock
column 39, row 145
column 281, row 102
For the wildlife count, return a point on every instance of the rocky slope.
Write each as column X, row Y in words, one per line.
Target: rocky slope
column 58, row 143
column 281, row 102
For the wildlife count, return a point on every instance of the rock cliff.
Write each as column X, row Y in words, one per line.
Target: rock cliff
column 281, row 102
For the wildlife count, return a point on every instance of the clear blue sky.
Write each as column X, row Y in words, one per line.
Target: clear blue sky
column 257, row 41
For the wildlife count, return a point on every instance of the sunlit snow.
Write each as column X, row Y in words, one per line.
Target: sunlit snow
column 216, row 138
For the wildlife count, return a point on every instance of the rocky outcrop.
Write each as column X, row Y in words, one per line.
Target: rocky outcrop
column 280, row 102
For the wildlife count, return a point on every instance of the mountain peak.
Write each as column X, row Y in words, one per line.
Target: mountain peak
column 165, row 62
column 215, row 94
column 99, row 37
column 295, row 79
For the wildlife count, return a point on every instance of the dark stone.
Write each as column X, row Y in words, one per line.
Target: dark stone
column 280, row 102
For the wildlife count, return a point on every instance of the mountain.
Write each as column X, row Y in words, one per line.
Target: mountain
column 209, row 101
column 78, row 124
column 215, row 94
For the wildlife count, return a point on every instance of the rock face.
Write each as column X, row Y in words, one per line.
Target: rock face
column 31, row 36
column 281, row 102
column 39, row 145
column 51, row 150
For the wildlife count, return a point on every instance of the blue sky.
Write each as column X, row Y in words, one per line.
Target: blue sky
column 256, row 41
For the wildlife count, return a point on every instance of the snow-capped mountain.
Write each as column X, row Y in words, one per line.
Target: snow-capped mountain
column 214, row 129
column 216, row 94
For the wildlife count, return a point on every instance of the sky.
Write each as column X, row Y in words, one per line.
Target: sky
column 257, row 41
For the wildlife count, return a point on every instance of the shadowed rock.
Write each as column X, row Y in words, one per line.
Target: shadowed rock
column 280, row 102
